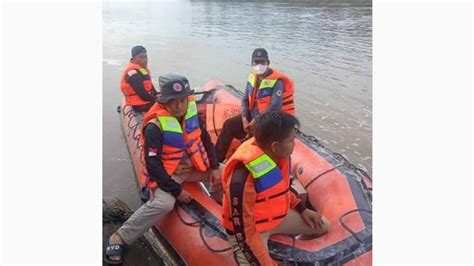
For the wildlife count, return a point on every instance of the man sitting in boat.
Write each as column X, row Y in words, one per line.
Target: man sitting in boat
column 267, row 90
column 177, row 148
column 258, row 201
column 136, row 82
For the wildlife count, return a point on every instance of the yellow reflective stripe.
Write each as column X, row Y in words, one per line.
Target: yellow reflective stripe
column 192, row 110
column 143, row 71
column 260, row 166
column 251, row 79
column 267, row 83
column 169, row 123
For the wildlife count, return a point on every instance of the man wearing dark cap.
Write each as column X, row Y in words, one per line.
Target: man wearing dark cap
column 267, row 89
column 176, row 148
column 136, row 81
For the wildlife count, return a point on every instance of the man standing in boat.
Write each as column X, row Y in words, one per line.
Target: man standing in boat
column 136, row 83
column 267, row 89
column 257, row 199
column 177, row 148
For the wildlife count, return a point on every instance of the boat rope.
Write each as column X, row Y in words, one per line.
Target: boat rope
column 352, row 166
column 135, row 129
column 293, row 250
column 321, row 174
column 194, row 223
column 201, row 225
column 128, row 112
column 201, row 233
column 214, row 119
column 344, row 225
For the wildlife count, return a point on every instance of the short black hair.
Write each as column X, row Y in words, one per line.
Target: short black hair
column 136, row 50
column 274, row 126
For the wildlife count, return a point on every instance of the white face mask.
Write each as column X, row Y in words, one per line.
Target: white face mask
column 260, row 69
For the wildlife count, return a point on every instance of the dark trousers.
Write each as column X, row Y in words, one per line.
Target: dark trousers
column 232, row 128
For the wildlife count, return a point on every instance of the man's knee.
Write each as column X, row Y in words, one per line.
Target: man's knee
column 227, row 126
column 168, row 205
column 325, row 227
column 163, row 202
column 232, row 124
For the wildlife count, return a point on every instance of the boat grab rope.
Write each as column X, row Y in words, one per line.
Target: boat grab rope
column 344, row 225
column 292, row 250
column 214, row 119
column 352, row 166
column 135, row 129
column 201, row 225
column 346, row 163
column 321, row 174
column 361, row 173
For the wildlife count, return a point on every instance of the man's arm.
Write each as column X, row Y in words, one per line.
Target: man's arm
column 295, row 202
column 244, row 105
column 209, row 146
column 277, row 96
column 154, row 165
column 136, row 82
column 242, row 198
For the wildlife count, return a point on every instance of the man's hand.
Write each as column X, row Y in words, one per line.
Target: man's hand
column 185, row 197
column 245, row 124
column 215, row 176
column 251, row 126
column 312, row 218
column 182, row 169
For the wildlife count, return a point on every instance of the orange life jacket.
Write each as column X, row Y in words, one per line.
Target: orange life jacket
column 131, row 97
column 261, row 97
column 271, row 181
column 179, row 141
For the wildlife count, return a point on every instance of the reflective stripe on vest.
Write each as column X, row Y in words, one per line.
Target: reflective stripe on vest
column 267, row 83
column 172, row 132
column 265, row 88
column 191, row 117
column 143, row 71
column 265, row 172
column 251, row 79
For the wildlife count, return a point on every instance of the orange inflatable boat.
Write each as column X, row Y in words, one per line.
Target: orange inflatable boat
column 336, row 188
